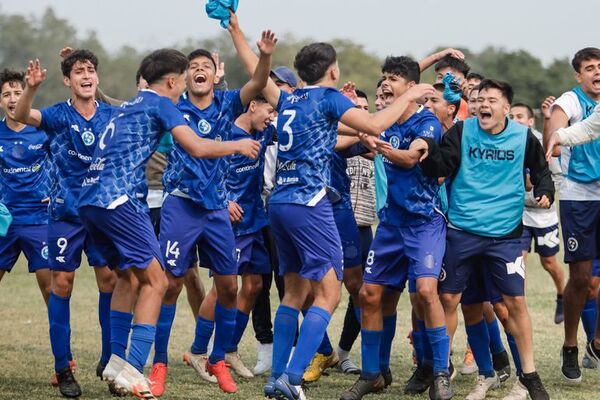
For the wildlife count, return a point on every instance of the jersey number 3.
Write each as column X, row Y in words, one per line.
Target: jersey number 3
column 288, row 129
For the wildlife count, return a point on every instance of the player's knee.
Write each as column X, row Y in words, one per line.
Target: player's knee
column 501, row 313
column 368, row 297
column 353, row 285
column 449, row 302
column 106, row 281
column 427, row 294
column 62, row 284
column 252, row 288
column 580, row 282
column 227, row 293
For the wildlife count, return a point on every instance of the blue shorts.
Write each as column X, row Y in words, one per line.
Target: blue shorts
column 186, row 227
column 547, row 243
column 406, row 253
column 481, row 288
column 580, row 221
column 123, row 235
column 596, row 268
column 349, row 236
column 66, row 241
column 307, row 240
column 252, row 256
column 32, row 240
column 501, row 259
column 366, row 239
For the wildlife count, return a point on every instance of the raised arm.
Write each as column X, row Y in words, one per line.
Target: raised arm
column 374, row 124
column 433, row 58
column 34, row 78
column 259, row 79
column 205, row 148
column 250, row 60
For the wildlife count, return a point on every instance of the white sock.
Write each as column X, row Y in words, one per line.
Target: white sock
column 343, row 354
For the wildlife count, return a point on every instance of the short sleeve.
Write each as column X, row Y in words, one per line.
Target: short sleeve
column 429, row 128
column 569, row 103
column 282, row 95
column 232, row 102
column 169, row 115
column 335, row 104
column 51, row 119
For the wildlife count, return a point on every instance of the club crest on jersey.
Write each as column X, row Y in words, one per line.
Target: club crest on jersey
column 395, row 142
column 572, row 244
column 44, row 252
column 442, row 277
column 204, row 127
column 88, row 138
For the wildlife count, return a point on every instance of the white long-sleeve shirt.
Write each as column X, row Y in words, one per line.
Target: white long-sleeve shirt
column 582, row 132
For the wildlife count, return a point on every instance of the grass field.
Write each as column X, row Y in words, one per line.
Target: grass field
column 26, row 361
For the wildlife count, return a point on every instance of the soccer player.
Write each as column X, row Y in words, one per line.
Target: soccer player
column 444, row 110
column 488, row 155
column 459, row 69
column 408, row 245
column 541, row 224
column 579, row 199
column 73, row 127
column 25, row 186
column 197, row 195
column 114, row 209
column 473, row 80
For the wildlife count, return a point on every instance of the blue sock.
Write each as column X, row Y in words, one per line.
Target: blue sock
column 515, row 353
column 120, row 325
column 69, row 354
column 370, row 344
column 58, row 320
column 427, row 350
column 311, row 335
column 496, row 345
column 385, row 350
column 224, row 327
column 163, row 333
column 440, row 346
column 417, row 339
column 104, row 318
column 204, row 330
column 284, row 333
column 241, row 321
column 479, row 340
column 142, row 337
column 325, row 346
column 588, row 319
column 357, row 313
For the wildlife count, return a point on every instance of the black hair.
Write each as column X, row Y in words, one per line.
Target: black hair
column 404, row 67
column 202, row 53
column 138, row 75
column 313, row 61
column 475, row 75
column 379, row 83
column 162, row 62
column 10, row 76
column 505, row 88
column 260, row 99
column 440, row 87
column 529, row 109
column 586, row 54
column 81, row 55
column 361, row 94
column 454, row 63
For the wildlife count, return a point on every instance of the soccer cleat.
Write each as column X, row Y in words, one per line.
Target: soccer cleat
column 219, row 370
column 518, row 392
column 469, row 365
column 158, row 379
column 284, row 390
column 269, row 388
column 569, row 365
column 264, row 358
column 559, row 312
column 132, row 381
column 67, row 384
column 420, row 380
column 318, row 364
column 198, row 362
column 482, row 386
column 534, row 386
column 501, row 365
column 441, row 389
column 347, row 366
column 110, row 372
column 364, row 386
column 451, row 370
column 54, row 378
column 237, row 365
column 387, row 378
column 592, row 355
column 100, row 369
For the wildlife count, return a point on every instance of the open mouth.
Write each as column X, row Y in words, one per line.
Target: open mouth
column 485, row 115
column 200, row 78
column 596, row 82
column 12, row 109
column 86, row 85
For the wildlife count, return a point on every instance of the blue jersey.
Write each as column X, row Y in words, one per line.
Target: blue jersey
column 73, row 140
column 203, row 180
column 340, row 181
column 307, row 128
column 117, row 174
column 412, row 197
column 24, row 174
column 245, row 181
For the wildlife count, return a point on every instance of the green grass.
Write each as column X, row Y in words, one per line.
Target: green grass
column 26, row 361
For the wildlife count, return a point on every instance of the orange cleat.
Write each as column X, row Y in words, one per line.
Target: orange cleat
column 158, row 379
column 54, row 378
column 224, row 379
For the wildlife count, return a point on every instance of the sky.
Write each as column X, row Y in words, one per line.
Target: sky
column 547, row 29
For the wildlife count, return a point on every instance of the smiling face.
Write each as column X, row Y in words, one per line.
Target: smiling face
column 589, row 77
column 9, row 95
column 201, row 76
column 379, row 99
column 473, row 102
column 521, row 115
column 262, row 115
column 441, row 108
column 83, row 80
column 492, row 108
column 394, row 86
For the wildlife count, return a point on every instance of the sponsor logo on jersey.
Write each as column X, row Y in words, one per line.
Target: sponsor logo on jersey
column 491, row 154
column 35, row 146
